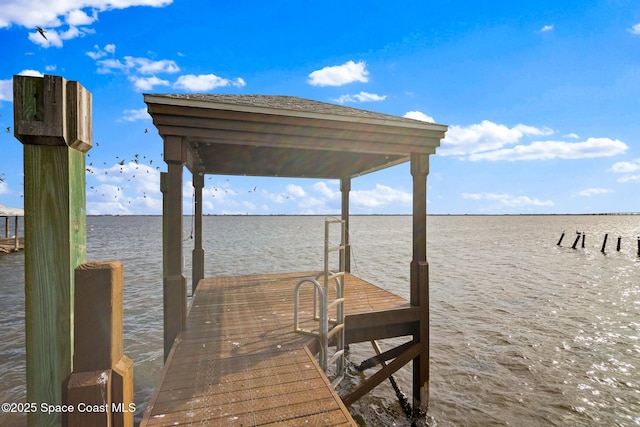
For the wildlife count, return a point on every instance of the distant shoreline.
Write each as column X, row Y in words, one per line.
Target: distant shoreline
column 323, row 215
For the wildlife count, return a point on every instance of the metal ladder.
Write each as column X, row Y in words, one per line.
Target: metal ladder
column 324, row 333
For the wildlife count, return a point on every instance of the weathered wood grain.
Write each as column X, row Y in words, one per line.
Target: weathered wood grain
column 239, row 362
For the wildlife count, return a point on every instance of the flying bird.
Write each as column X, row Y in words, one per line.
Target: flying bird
column 41, row 31
column 9, row 129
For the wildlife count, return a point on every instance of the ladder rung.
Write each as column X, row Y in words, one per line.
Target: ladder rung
column 336, row 248
column 308, row 332
column 337, row 380
column 335, row 356
column 336, row 329
column 336, row 274
column 334, row 303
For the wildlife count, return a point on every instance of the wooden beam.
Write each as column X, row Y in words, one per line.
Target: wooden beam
column 164, row 111
column 382, row 357
column 291, row 141
column 55, row 228
column 420, row 277
column 381, row 375
column 197, row 272
column 381, row 324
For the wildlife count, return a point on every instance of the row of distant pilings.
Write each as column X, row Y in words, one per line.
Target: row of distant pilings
column 582, row 235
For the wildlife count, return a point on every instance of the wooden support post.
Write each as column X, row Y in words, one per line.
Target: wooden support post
column 16, row 239
column 174, row 282
column 420, row 278
column 197, row 272
column 6, row 226
column 345, row 188
column 102, row 375
column 52, row 118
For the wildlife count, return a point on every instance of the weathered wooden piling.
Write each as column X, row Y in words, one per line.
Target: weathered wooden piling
column 52, row 119
column 639, row 246
column 583, row 237
column 575, row 242
column 604, row 243
column 618, row 245
column 102, row 375
column 560, row 241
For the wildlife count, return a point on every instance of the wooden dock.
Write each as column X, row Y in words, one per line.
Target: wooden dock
column 239, row 363
column 9, row 244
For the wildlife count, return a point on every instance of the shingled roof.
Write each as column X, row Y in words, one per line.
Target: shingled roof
column 286, row 136
column 291, row 103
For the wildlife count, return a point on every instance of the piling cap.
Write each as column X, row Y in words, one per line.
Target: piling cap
column 50, row 110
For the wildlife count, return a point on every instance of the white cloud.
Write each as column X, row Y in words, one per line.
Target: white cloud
column 295, row 190
column 148, row 83
column 134, row 115
column 626, row 167
column 572, row 135
column 322, row 188
column 339, row 75
column 130, row 188
column 6, row 90
column 360, row 97
column 205, row 82
column 4, row 188
column 547, row 150
column 79, row 17
column 418, row 115
column 70, row 13
column 594, row 191
column 380, row 196
column 485, row 136
column 635, row 29
column 507, row 200
column 629, row 178
column 138, row 65
column 101, row 53
column 546, row 28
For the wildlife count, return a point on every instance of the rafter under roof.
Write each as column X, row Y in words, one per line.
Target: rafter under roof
column 265, row 135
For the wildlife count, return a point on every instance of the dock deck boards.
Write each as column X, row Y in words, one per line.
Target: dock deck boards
column 239, row 363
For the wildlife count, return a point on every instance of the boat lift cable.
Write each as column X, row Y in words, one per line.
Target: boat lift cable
column 193, row 203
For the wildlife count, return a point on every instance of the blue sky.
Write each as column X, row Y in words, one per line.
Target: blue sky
column 541, row 97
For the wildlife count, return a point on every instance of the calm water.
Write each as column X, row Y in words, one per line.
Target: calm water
column 523, row 332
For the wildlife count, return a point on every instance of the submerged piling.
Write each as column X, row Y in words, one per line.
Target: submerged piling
column 618, row 245
column 638, row 245
column 576, row 241
column 583, row 236
column 604, row 243
column 561, row 237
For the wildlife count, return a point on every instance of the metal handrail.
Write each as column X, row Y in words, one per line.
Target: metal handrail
column 321, row 305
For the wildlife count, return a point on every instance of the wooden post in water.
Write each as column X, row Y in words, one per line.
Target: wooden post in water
column 618, row 245
column 52, row 118
column 174, row 282
column 561, row 237
column 420, row 278
column 197, row 271
column 102, row 375
column 583, row 237
column 575, row 241
column 604, row 243
column 16, row 239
